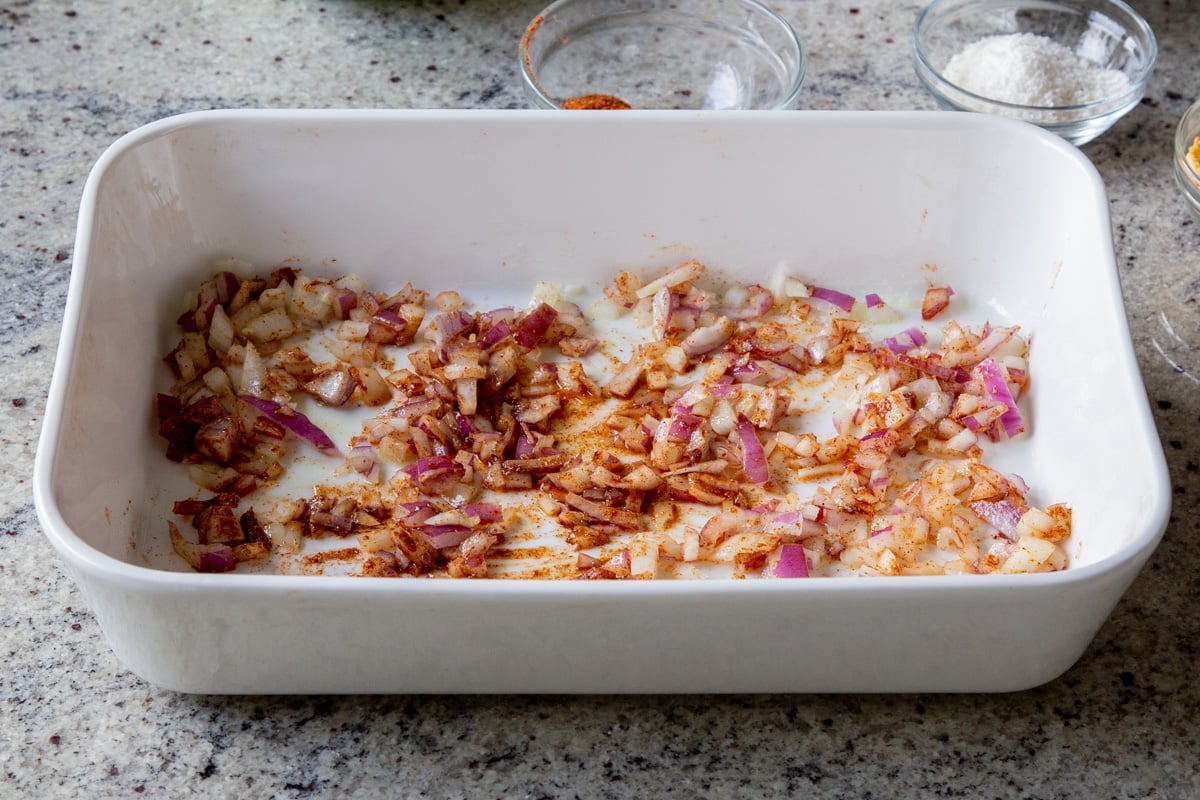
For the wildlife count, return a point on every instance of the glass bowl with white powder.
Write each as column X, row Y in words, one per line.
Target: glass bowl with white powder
column 1074, row 67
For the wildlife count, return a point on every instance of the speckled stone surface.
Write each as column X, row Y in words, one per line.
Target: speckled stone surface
column 1123, row 723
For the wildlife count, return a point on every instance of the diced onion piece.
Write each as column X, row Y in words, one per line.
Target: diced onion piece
column 273, row 326
column 294, row 421
column 217, row 381
column 962, row 441
column 643, row 559
column 333, row 387
column 906, row 340
column 792, row 562
column 793, row 287
column 681, row 274
column 1034, row 522
column 1031, row 555
column 997, row 389
column 202, row 557
column 534, row 325
column 937, row 299
column 840, row 299
column 253, row 380
column 220, row 330
column 485, row 512
column 661, row 308
column 443, row 536
column 362, row 459
column 754, row 460
column 448, row 300
column 709, row 338
column 985, row 347
column 288, row 537
column 1000, row 514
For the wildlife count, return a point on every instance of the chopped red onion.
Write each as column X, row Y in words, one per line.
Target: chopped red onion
column 478, row 408
column 523, row 448
column 227, row 285
column 424, row 466
column 710, row 337
column 619, row 562
column 534, row 326
column 168, row 405
column 486, row 512
column 208, row 310
column 333, row 387
column 346, row 302
column 293, row 420
column 682, row 426
column 930, row 366
column 723, row 525
column 997, row 389
column 759, row 302
column 661, row 309
column 442, row 536
column 937, row 298
column 880, row 479
column 362, row 459
column 747, row 371
column 964, row 440
column 202, row 557
column 445, row 327
column 1000, row 514
column 754, row 460
column 499, row 331
column 681, row 274
column 840, row 299
column 792, row 563
column 906, row 340
column 417, row 408
column 415, row 513
column 465, row 428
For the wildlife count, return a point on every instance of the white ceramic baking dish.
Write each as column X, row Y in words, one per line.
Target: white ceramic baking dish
column 483, row 201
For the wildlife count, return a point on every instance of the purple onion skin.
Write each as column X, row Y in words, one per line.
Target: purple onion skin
column 217, row 561
column 793, row 563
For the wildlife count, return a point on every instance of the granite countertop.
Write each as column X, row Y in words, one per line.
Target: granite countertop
column 1124, row 722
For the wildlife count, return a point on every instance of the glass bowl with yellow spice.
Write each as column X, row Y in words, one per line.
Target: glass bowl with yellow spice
column 661, row 54
column 1187, row 157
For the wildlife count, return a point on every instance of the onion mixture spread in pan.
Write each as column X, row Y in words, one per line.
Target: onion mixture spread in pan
column 680, row 427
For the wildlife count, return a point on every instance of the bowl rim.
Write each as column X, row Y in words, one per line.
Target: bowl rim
column 1137, row 85
column 1183, row 141
column 84, row 559
column 544, row 100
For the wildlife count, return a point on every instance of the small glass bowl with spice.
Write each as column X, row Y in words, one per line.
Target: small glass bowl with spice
column 1187, row 157
column 1074, row 67
column 661, row 54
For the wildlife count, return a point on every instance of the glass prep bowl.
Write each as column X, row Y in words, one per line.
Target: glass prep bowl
column 661, row 54
column 1107, row 33
column 1187, row 170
